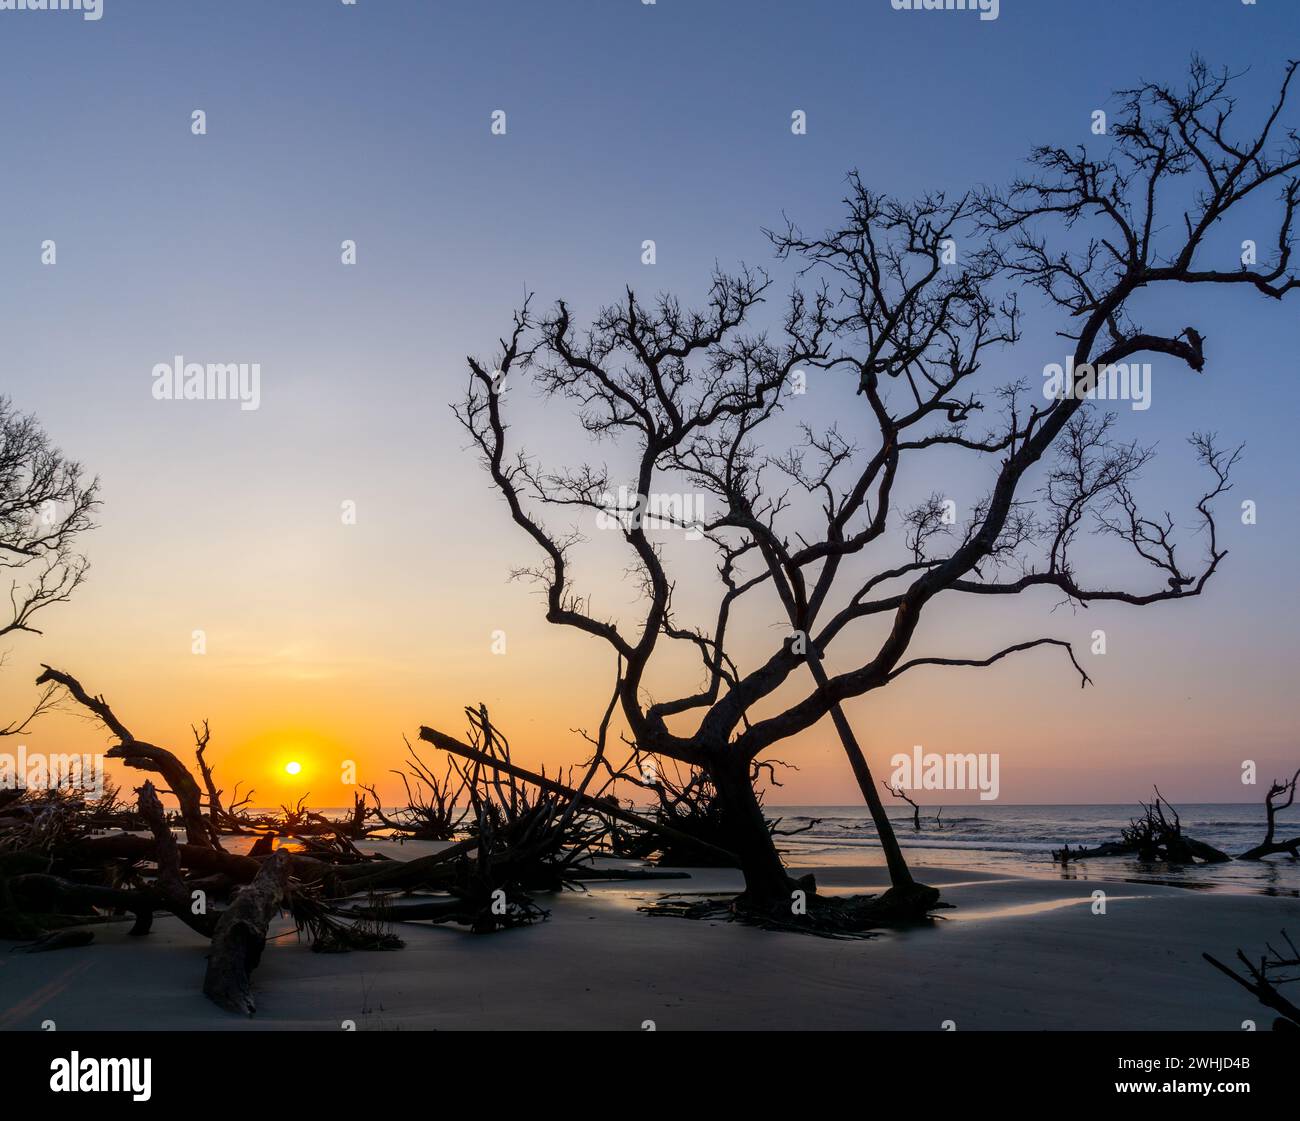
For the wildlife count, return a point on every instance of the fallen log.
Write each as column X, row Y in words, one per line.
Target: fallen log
column 349, row 878
column 1151, row 837
column 437, row 870
column 169, row 883
column 601, row 805
column 407, row 911
column 144, row 757
column 1290, row 847
column 240, row 937
column 1109, row 848
column 1269, row 846
column 58, row 940
column 1208, row 853
column 127, row 846
column 42, row 893
column 586, row 873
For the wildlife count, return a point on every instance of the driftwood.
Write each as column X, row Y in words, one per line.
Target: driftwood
column 628, row 874
column 354, row 828
column 1109, row 848
column 145, row 757
column 605, row 807
column 513, row 840
column 1151, row 837
column 216, row 813
column 686, row 800
column 240, row 936
column 228, row 819
column 1155, row 837
column 829, row 916
column 1269, row 846
column 526, row 832
column 241, row 869
column 58, row 940
column 438, row 871
column 169, row 883
column 1263, row 980
column 407, row 910
column 432, row 812
column 54, row 899
column 522, row 838
column 54, row 875
column 424, row 871
column 43, row 818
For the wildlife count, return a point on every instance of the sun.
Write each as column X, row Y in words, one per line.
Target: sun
column 293, row 768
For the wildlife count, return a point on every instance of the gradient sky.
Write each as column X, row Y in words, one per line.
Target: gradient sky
column 626, row 121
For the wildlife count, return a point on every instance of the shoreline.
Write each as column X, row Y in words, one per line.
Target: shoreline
column 1014, row 952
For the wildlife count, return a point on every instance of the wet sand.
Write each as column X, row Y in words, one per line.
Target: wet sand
column 1012, row 953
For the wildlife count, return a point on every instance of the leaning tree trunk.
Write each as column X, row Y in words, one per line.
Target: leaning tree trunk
column 899, row 874
column 144, row 757
column 149, row 757
column 767, row 883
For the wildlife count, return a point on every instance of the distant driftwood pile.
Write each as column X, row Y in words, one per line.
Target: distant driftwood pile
column 1158, row 837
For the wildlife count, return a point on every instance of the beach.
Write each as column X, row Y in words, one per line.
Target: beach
column 1011, row 953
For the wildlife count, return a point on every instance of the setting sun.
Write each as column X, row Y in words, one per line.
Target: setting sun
column 293, row 768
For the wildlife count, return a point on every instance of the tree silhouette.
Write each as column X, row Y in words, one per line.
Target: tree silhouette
column 45, row 503
column 907, row 300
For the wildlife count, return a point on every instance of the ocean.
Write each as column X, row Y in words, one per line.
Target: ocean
column 1018, row 840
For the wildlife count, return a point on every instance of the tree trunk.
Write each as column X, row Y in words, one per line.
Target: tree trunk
column 766, row 880
column 899, row 874
column 240, row 936
column 144, row 757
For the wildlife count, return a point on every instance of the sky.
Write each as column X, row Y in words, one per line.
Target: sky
column 626, row 121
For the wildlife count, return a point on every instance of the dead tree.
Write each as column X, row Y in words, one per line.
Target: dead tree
column 293, row 818
column 1269, row 846
column 46, row 503
column 1263, row 980
column 881, row 318
column 1152, row 836
column 222, row 818
column 53, row 878
column 145, row 757
column 898, row 792
column 354, row 826
column 526, row 832
column 238, row 932
column 501, row 794
column 240, row 935
column 686, row 803
column 434, row 809
column 606, row 807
